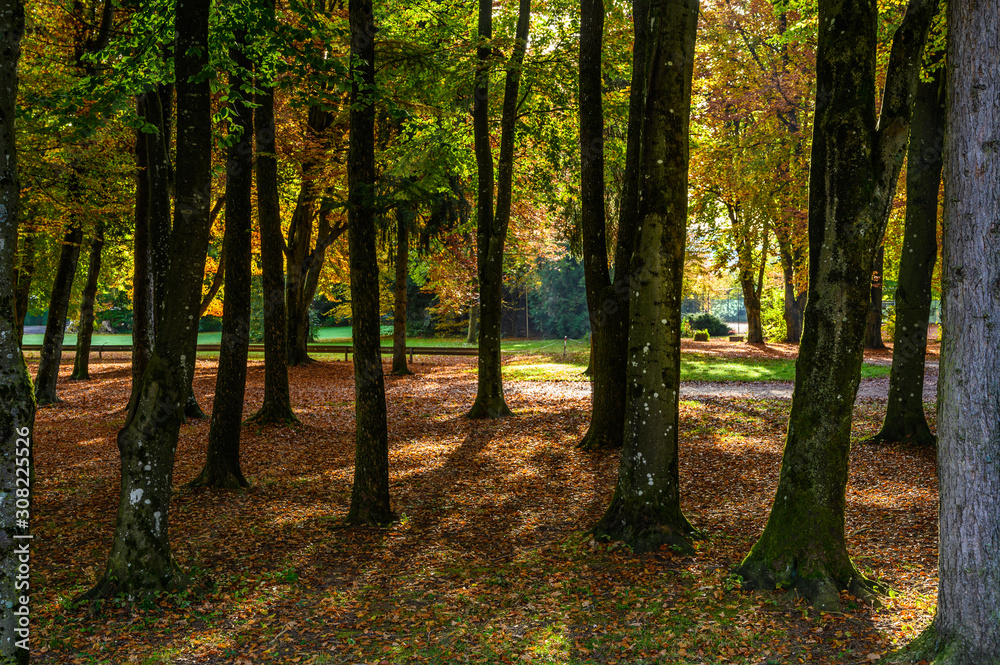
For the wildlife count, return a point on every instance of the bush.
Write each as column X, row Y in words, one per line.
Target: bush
column 710, row 323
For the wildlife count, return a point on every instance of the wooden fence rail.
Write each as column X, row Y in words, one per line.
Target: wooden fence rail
column 346, row 349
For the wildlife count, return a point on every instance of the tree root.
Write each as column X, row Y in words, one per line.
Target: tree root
column 600, row 439
column 489, row 408
column 821, row 587
column 273, row 416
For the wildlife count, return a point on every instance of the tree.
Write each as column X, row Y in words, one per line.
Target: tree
column 645, row 510
column 404, row 218
column 277, row 406
column 17, row 415
column 904, row 415
column 965, row 630
column 50, row 358
column 140, row 558
column 607, row 299
column 855, row 165
column 222, row 463
column 81, row 363
column 491, row 232
column 370, row 492
column 873, row 329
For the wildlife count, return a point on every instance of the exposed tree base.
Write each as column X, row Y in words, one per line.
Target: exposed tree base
column 192, row 410
column 929, row 648
column 821, row 586
column 401, row 371
column 299, row 358
column 489, row 408
column 79, row 377
column 270, row 415
column 907, row 433
column 644, row 528
column 230, row 479
column 369, row 516
column 600, row 438
column 134, row 588
column 47, row 399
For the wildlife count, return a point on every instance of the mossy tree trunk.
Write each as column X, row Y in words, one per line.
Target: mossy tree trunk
column 17, row 411
column 277, row 405
column 645, row 510
column 140, row 558
column 81, row 363
column 904, row 416
column 491, row 231
column 222, row 464
column 855, row 166
column 873, row 329
column 62, row 288
column 370, row 491
column 965, row 630
column 404, row 218
column 607, row 299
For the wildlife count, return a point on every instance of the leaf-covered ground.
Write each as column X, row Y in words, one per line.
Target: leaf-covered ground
column 489, row 561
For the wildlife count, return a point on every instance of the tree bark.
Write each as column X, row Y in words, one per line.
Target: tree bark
column 965, row 630
column 491, row 231
column 645, row 510
column 299, row 246
column 140, row 560
column 607, row 300
column 873, row 328
column 17, row 408
column 81, row 363
column 22, row 280
column 222, row 464
column 370, row 492
column 794, row 302
column 854, row 168
column 404, row 217
column 143, row 309
column 62, row 288
column 473, row 335
column 277, row 405
column 904, row 417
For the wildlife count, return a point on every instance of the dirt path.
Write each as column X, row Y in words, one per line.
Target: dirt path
column 870, row 389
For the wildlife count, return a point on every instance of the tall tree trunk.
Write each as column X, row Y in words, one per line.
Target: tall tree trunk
column 404, row 217
column 299, row 245
column 491, row 232
column 873, row 329
column 143, row 307
column 62, row 289
column 22, row 279
column 222, row 464
column 277, row 405
column 794, row 302
column 473, row 335
column 855, row 166
column 370, row 492
column 140, row 558
column 607, row 301
column 152, row 230
column 17, row 412
column 965, row 630
column 904, row 416
column 81, row 364
column 645, row 510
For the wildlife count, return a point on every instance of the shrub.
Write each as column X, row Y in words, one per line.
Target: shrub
column 709, row 323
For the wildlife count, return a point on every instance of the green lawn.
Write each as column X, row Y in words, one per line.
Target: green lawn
column 691, row 370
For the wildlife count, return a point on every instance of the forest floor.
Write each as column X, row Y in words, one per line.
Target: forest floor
column 489, row 561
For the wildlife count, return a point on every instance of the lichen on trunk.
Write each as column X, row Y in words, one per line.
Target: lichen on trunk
column 645, row 510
